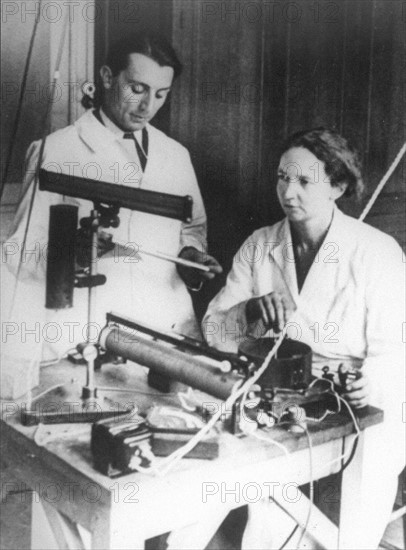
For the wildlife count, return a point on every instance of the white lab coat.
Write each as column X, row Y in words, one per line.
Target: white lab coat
column 351, row 309
column 147, row 289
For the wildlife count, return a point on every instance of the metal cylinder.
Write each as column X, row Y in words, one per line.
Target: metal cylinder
column 171, row 362
column 60, row 276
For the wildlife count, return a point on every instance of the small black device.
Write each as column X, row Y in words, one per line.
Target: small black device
column 291, row 368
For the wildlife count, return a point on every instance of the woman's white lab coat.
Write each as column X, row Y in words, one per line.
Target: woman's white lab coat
column 144, row 288
column 351, row 309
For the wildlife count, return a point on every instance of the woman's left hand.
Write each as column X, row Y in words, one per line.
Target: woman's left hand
column 358, row 392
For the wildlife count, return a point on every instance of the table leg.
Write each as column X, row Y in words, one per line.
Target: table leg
column 116, row 532
column 351, row 487
column 52, row 530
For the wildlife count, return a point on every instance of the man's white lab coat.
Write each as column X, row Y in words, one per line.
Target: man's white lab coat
column 142, row 287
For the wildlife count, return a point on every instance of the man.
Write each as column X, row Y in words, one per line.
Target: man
column 115, row 143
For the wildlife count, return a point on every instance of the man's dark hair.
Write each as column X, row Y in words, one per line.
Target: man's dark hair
column 152, row 45
column 341, row 161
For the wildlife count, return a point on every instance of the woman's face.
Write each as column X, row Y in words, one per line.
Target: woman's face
column 304, row 189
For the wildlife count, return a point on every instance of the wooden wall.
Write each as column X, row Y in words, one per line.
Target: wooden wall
column 76, row 67
column 257, row 71
column 16, row 30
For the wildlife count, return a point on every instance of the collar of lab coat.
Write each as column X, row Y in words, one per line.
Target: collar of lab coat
column 96, row 136
column 283, row 255
column 116, row 130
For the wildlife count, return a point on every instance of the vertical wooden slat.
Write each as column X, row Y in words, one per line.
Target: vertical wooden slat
column 343, row 67
column 287, row 81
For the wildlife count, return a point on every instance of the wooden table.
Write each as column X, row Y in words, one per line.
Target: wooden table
column 74, row 506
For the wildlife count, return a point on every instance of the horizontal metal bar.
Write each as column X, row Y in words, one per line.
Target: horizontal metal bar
column 151, row 202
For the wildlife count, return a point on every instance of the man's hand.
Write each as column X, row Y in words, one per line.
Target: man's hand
column 84, row 245
column 274, row 309
column 357, row 393
column 194, row 278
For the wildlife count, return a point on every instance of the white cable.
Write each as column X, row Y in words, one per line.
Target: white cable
column 356, row 425
column 274, row 442
column 382, row 183
column 332, row 390
column 174, row 457
column 31, row 399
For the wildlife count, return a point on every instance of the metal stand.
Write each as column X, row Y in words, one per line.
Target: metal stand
column 56, row 406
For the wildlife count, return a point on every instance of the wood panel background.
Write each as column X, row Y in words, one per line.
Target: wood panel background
column 250, row 84
column 258, row 71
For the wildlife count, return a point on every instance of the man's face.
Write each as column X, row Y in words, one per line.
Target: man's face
column 135, row 95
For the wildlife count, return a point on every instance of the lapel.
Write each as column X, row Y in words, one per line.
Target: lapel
column 325, row 267
column 104, row 144
column 283, row 257
column 95, row 135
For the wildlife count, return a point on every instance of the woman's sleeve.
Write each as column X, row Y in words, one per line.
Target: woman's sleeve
column 225, row 322
column 385, row 329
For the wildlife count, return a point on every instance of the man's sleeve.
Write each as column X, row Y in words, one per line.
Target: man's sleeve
column 28, row 236
column 194, row 233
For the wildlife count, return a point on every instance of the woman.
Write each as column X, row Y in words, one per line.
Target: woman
column 342, row 285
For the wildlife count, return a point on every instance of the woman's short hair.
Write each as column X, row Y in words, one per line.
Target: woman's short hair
column 341, row 161
column 148, row 43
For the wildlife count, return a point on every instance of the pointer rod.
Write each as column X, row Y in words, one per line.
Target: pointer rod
column 166, row 257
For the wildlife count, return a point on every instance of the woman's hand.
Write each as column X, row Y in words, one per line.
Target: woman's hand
column 274, row 309
column 358, row 392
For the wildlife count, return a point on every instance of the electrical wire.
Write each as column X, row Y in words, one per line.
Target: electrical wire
column 354, row 448
column 32, row 400
column 296, row 527
column 273, row 442
column 174, row 457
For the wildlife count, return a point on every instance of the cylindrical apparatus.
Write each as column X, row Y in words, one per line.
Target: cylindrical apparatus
column 291, row 368
column 169, row 361
column 60, row 276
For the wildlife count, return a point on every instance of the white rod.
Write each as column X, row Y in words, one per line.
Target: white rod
column 382, row 183
column 167, row 257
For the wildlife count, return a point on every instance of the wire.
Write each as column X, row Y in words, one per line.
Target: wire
column 273, row 442
column 174, row 457
column 358, row 430
column 354, row 448
column 32, row 400
column 296, row 527
column 323, row 417
column 354, row 419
